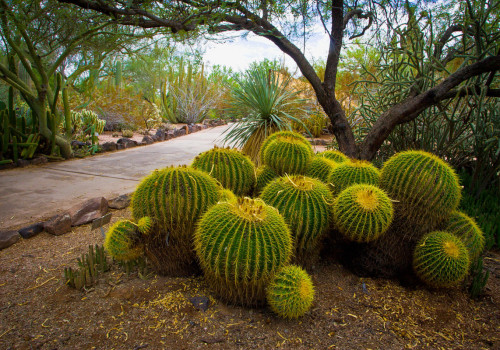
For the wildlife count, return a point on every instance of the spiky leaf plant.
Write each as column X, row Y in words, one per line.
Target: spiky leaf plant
column 291, row 292
column 264, row 175
column 353, row 172
column 441, row 259
column 465, row 228
column 320, row 168
column 122, row 241
column 230, row 167
column 363, row 213
column 334, row 155
column 240, row 246
column 174, row 198
column 306, row 205
column 287, row 155
column 426, row 187
column 284, row 134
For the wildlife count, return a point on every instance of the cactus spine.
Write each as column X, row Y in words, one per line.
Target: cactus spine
column 230, row 167
column 441, row 259
column 353, row 172
column 363, row 213
column 284, row 134
column 291, row 292
column 287, row 155
column 122, row 241
column 240, row 246
column 320, row 168
column 334, row 155
column 465, row 228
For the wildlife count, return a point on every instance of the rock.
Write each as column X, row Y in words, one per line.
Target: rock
column 147, row 140
column 160, row 134
column 31, row 230
column 200, row 303
column 120, row 202
column 39, row 160
column 88, row 211
column 204, row 126
column 127, row 143
column 169, row 135
column 108, row 146
column 120, row 146
column 155, row 138
column 179, row 132
column 8, row 238
column 78, row 144
column 23, row 162
column 58, row 224
column 318, row 142
column 7, row 166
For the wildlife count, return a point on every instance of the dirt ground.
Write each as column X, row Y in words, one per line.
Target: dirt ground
column 37, row 311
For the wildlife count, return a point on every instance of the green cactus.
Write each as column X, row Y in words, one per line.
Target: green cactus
column 287, row 155
column 291, row 292
column 306, row 205
column 441, row 259
column 334, row 155
column 286, row 134
column 230, row 167
column 263, row 175
column 226, row 195
column 465, row 228
column 240, row 246
column 145, row 225
column 122, row 241
column 426, row 187
column 174, row 198
column 320, row 168
column 362, row 213
column 353, row 172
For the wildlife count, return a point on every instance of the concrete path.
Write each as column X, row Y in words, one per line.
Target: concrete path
column 30, row 194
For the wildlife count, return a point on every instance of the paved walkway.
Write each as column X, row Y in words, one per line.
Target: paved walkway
column 30, row 194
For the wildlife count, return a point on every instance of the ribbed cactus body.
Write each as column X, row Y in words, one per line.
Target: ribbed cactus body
column 306, row 205
column 291, row 292
column 264, row 175
column 334, row 155
column 240, row 246
column 287, row 134
column 426, row 187
column 287, row 155
column 226, row 195
column 230, row 167
column 145, row 225
column 320, row 168
column 441, row 259
column 122, row 241
column 362, row 213
column 353, row 172
column 465, row 228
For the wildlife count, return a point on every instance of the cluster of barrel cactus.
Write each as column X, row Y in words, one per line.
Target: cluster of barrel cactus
column 243, row 226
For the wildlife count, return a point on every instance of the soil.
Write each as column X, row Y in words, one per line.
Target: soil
column 145, row 311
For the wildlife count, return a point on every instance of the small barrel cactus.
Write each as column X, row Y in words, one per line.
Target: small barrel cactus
column 363, row 213
column 306, row 205
column 145, row 225
column 465, row 228
column 441, row 259
column 353, row 172
column 230, row 167
column 426, row 187
column 285, row 133
column 226, row 195
column 291, row 292
column 320, row 168
column 240, row 246
column 334, row 155
column 287, row 155
column 264, row 175
column 122, row 241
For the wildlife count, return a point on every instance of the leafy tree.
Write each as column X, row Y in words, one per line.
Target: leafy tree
column 270, row 19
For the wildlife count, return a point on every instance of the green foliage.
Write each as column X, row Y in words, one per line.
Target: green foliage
column 334, row 155
column 465, row 228
column 306, row 205
column 230, row 167
column 320, row 168
column 18, row 138
column 291, row 292
column 89, row 266
column 478, row 279
column 426, row 187
column 127, row 133
column 265, row 103
column 441, row 259
column 264, row 175
column 122, row 241
column 353, row 172
column 363, row 212
column 240, row 246
column 287, row 155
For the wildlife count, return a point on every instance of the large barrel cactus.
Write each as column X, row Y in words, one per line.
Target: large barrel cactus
column 353, row 172
column 441, row 259
column 233, row 169
column 291, row 292
column 334, row 155
column 122, row 241
column 287, row 155
column 240, row 246
column 287, row 134
column 264, row 175
column 320, row 168
column 362, row 213
column 465, row 228
column 306, row 205
column 174, row 198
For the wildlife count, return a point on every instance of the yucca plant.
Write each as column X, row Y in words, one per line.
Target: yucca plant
column 265, row 103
